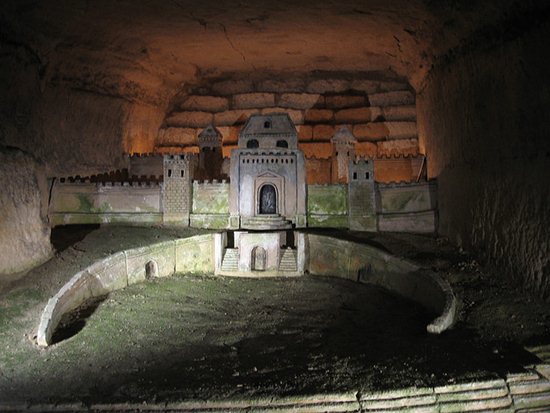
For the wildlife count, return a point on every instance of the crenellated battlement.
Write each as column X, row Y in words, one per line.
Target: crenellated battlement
column 358, row 160
column 109, row 179
column 110, row 184
column 407, row 184
column 315, row 158
column 179, row 157
column 210, row 182
column 143, row 155
column 133, row 184
column 179, row 189
column 399, row 156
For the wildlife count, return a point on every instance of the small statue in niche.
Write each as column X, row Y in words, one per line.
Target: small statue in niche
column 268, row 204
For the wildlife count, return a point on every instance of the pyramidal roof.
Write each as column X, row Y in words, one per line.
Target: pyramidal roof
column 343, row 135
column 210, row 132
column 272, row 124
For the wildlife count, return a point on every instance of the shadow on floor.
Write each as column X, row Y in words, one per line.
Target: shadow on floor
column 64, row 236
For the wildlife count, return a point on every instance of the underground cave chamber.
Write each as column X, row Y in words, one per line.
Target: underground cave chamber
column 417, row 129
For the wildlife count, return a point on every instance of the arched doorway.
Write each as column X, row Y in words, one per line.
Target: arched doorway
column 258, row 259
column 268, row 200
column 151, row 270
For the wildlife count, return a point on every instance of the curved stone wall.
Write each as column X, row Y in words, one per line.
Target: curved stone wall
column 324, row 255
column 189, row 255
column 369, row 265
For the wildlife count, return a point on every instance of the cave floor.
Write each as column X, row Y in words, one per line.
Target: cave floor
column 208, row 338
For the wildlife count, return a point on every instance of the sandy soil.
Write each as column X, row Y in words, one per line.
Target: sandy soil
column 207, row 337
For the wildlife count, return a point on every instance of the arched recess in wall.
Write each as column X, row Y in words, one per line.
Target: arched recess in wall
column 151, row 270
column 268, row 200
column 258, row 259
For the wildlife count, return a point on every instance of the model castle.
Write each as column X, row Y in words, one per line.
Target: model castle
column 267, row 183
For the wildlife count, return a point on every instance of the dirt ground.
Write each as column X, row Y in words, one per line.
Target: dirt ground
column 205, row 337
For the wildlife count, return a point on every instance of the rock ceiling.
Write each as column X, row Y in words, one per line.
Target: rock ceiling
column 147, row 50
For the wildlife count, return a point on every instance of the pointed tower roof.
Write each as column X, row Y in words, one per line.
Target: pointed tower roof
column 343, row 135
column 210, row 136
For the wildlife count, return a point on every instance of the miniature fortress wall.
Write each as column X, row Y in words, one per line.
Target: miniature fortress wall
column 210, row 204
column 85, row 202
column 398, row 206
column 367, row 202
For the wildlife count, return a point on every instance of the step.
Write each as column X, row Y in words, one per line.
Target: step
column 268, row 222
column 230, row 260
column 288, row 261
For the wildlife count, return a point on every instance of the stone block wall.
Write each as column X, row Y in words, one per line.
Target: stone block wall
column 327, row 206
column 193, row 255
column 83, row 202
column 362, row 196
column 176, row 201
column 402, row 198
column 378, row 108
column 210, row 206
column 410, row 207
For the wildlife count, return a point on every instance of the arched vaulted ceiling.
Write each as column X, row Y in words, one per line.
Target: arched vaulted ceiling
column 146, row 50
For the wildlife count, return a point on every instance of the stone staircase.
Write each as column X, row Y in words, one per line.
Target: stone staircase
column 288, row 261
column 265, row 222
column 230, row 262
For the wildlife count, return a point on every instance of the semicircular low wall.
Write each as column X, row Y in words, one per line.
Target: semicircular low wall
column 323, row 255
column 189, row 255
column 341, row 258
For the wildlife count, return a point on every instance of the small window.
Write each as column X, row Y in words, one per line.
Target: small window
column 181, row 173
column 282, row 144
column 367, row 175
column 252, row 143
column 267, row 124
column 169, row 173
column 355, row 175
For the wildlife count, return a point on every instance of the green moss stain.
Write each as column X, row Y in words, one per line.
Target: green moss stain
column 327, row 199
column 87, row 205
column 211, row 199
column 328, row 221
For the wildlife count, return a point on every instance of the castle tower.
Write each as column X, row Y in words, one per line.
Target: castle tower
column 176, row 192
column 343, row 150
column 268, row 179
column 210, row 156
column 361, row 195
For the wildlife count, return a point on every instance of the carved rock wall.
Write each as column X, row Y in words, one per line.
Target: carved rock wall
column 24, row 233
column 71, row 129
column 483, row 122
column 378, row 107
